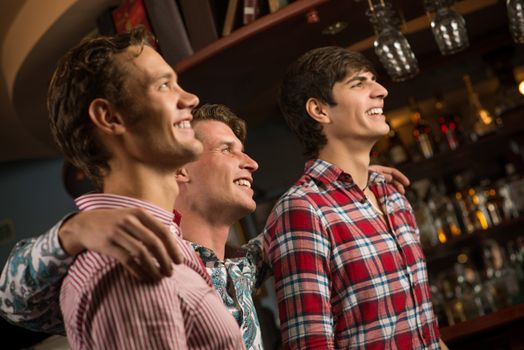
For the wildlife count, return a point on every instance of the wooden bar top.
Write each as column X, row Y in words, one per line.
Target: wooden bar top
column 475, row 327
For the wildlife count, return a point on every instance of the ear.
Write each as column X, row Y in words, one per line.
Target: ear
column 104, row 115
column 318, row 110
column 182, row 176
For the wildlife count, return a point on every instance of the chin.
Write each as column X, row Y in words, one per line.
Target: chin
column 248, row 208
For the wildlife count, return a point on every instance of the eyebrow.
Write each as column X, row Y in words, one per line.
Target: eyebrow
column 161, row 76
column 231, row 144
column 360, row 77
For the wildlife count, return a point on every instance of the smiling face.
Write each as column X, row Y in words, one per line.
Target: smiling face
column 220, row 180
column 358, row 112
column 159, row 117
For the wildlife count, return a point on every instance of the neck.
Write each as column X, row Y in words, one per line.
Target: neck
column 208, row 233
column 353, row 158
column 142, row 182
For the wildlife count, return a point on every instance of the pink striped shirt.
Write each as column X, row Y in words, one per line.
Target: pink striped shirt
column 104, row 307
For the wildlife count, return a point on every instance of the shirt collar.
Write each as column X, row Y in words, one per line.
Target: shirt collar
column 92, row 201
column 208, row 256
column 328, row 173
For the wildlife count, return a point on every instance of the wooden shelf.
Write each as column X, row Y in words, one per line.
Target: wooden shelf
column 480, row 329
column 246, row 32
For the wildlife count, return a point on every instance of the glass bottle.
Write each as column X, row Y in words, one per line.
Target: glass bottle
column 453, row 306
column 516, row 262
column 502, row 281
column 483, row 121
column 438, row 223
column 450, row 134
column 462, row 204
column 445, row 210
column 422, row 133
column 494, row 205
column 398, row 154
column 468, row 288
column 437, row 299
column 467, row 224
column 424, row 214
column 478, row 210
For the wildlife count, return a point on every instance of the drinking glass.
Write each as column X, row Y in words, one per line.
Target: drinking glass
column 449, row 30
column 516, row 19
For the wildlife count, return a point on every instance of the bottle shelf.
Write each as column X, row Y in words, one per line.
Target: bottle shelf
column 440, row 256
column 476, row 153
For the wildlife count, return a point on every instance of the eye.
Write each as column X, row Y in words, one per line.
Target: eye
column 164, row 85
column 357, row 84
column 227, row 149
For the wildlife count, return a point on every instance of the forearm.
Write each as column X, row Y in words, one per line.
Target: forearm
column 256, row 254
column 30, row 283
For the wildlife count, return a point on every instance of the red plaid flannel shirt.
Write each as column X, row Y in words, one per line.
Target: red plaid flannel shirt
column 344, row 280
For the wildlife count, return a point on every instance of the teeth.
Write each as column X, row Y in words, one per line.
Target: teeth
column 374, row 111
column 185, row 124
column 243, row 182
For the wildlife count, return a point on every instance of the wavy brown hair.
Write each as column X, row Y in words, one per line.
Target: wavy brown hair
column 222, row 114
column 86, row 72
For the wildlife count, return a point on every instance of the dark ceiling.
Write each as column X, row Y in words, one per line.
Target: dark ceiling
column 245, row 76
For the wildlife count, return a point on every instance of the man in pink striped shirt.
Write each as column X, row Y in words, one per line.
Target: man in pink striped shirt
column 118, row 113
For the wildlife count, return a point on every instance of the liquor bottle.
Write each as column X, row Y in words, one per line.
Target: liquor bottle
column 453, row 306
column 422, row 133
column 398, row 153
column 450, row 135
column 511, row 188
column 494, row 205
column 499, row 276
column 477, row 208
column 469, row 288
column 445, row 210
column 438, row 223
column 424, row 214
column 462, row 204
column 483, row 121
column 516, row 263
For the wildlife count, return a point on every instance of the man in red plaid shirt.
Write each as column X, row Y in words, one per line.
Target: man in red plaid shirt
column 344, row 245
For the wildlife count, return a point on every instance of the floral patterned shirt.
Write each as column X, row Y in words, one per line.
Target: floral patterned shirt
column 32, row 276
column 236, row 279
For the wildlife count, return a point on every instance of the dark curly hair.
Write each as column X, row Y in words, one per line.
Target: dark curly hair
column 222, row 114
column 313, row 76
column 86, row 72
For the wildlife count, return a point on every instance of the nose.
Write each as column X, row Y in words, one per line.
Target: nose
column 249, row 163
column 379, row 91
column 187, row 100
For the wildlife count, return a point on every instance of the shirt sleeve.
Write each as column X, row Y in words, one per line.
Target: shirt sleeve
column 30, row 283
column 255, row 254
column 111, row 310
column 299, row 250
